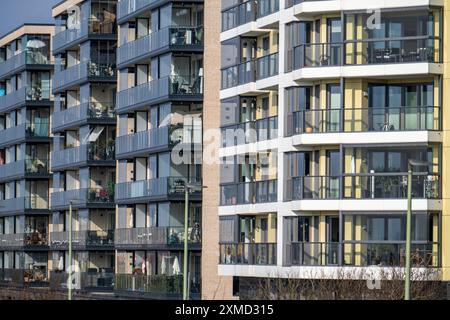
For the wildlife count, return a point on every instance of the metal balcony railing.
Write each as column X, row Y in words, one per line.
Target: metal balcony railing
column 82, row 239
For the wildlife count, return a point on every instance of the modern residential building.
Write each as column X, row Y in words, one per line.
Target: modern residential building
column 159, row 111
column 84, row 129
column 26, row 102
column 322, row 106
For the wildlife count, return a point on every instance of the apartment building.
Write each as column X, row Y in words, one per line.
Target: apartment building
column 26, row 102
column 159, row 113
column 322, row 106
column 84, row 129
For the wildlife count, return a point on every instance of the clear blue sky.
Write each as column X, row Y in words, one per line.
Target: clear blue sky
column 14, row 13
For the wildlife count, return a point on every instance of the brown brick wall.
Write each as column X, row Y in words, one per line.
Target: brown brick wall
column 213, row 286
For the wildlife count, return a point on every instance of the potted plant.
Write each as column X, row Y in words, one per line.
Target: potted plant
column 111, row 190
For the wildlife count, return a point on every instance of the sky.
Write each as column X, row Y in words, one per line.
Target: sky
column 14, row 13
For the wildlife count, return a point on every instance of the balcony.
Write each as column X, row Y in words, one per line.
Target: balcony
column 83, row 281
column 170, row 38
column 154, row 189
column 89, row 28
column 24, row 277
column 239, row 15
column 248, row 254
column 33, row 240
column 154, row 236
column 390, row 119
column 248, row 193
column 83, row 240
column 369, row 253
column 240, row 74
column 422, row 49
column 24, row 168
column 126, row 9
column 34, row 131
column 391, row 186
column 85, row 197
column 27, row 95
column 92, row 154
column 85, row 113
column 176, row 87
column 267, row 7
column 33, row 203
column 81, row 73
column 157, row 139
column 313, row 188
column 21, row 61
column 250, row 132
column 267, row 66
column 156, row 286
column 142, row 142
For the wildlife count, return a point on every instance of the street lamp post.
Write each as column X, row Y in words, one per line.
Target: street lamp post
column 70, row 249
column 411, row 164
column 70, row 283
column 187, row 188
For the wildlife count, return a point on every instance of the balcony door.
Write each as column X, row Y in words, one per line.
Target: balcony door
column 334, row 172
column 333, row 56
column 334, row 104
column 332, row 239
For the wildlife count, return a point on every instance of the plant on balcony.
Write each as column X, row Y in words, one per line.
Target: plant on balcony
column 110, row 149
column 111, row 190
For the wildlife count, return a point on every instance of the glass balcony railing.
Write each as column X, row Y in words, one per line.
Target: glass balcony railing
column 316, row 121
column 374, row 253
column 128, row 7
column 267, row 66
column 82, row 281
column 368, row 51
column 365, row 120
column 38, row 128
column 19, row 61
column 239, row 74
column 155, row 236
column 313, row 188
column 82, row 239
column 29, row 93
column 18, row 169
column 82, row 72
column 181, row 37
column 24, row 277
column 267, row 7
column 155, row 285
column 77, row 156
column 239, row 15
column 84, row 196
column 248, row 192
column 391, row 186
column 37, row 166
column 154, row 188
column 250, row 132
column 159, row 89
column 102, row 111
column 313, row 253
column 248, row 253
column 19, row 240
column 33, row 202
column 404, row 118
column 70, row 37
column 355, row 253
